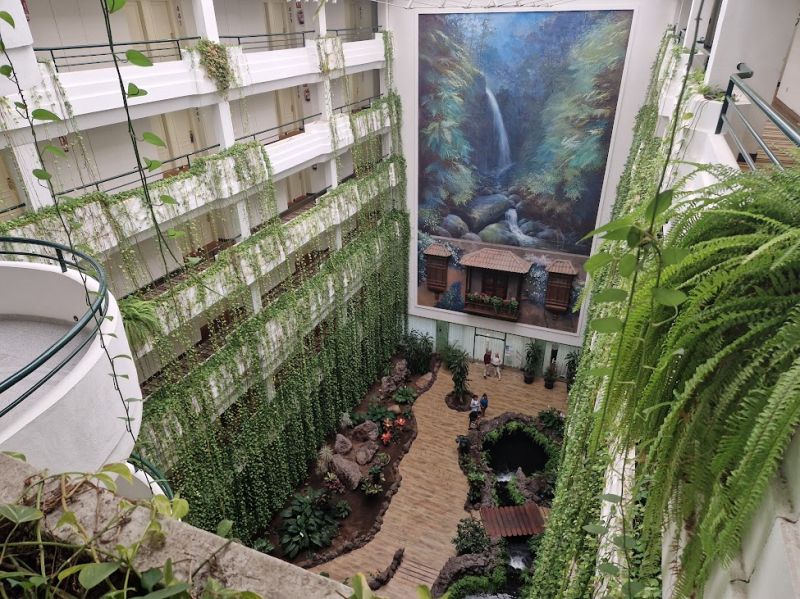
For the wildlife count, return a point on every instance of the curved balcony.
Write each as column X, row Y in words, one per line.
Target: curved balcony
column 60, row 403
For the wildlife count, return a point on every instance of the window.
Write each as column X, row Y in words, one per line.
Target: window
column 495, row 283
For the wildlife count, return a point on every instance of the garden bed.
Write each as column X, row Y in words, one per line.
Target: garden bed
column 358, row 467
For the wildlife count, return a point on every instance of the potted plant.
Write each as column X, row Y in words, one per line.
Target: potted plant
column 550, row 376
column 533, row 358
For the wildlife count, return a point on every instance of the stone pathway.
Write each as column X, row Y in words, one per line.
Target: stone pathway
column 424, row 514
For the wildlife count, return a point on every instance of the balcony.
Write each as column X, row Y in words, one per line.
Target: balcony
column 60, row 405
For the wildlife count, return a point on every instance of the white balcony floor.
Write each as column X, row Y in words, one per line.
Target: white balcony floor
column 21, row 341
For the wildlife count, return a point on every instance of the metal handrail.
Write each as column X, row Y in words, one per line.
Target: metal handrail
column 355, row 34
column 724, row 124
column 95, row 313
column 363, row 103
column 270, row 41
column 11, row 208
column 274, row 131
column 171, row 51
column 99, row 182
column 153, row 472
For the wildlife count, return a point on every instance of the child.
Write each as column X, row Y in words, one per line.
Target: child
column 484, row 404
column 473, row 419
column 474, row 404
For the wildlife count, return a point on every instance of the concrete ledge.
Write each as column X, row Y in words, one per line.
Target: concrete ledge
column 236, row 566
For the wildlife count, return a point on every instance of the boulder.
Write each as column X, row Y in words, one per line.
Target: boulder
column 484, row 210
column 366, row 452
column 530, row 227
column 366, row 431
column 550, row 235
column 455, row 225
column 342, row 444
column 395, row 409
column 347, row 471
column 400, row 372
column 498, row 233
column 424, row 381
column 440, row 232
column 514, row 199
column 471, row 237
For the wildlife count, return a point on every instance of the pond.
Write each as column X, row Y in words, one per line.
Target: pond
column 516, row 450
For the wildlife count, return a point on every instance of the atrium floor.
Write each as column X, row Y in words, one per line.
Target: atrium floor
column 424, row 514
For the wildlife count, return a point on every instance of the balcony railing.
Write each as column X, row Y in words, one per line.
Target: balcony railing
column 268, row 41
column 355, row 34
column 169, row 168
column 82, row 56
column 279, row 132
column 86, row 326
column 356, row 105
column 738, row 85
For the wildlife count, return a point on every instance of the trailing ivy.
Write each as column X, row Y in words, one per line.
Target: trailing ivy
column 214, row 58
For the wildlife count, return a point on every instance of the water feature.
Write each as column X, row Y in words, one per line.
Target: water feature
column 503, row 149
column 516, row 450
column 513, row 227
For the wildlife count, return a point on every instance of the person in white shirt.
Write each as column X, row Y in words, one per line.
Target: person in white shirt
column 496, row 363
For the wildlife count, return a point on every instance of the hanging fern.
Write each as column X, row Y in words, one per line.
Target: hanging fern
column 140, row 320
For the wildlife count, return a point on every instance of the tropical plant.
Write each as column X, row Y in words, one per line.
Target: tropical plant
column 550, row 376
column 514, row 491
column 573, row 359
column 333, row 484
column 450, row 354
column 459, row 370
column 534, row 352
column 417, row 348
column 263, row 545
column 470, row 537
column 552, row 421
column 342, row 509
column 140, row 320
column 370, row 488
column 307, row 525
column 345, row 422
column 405, row 395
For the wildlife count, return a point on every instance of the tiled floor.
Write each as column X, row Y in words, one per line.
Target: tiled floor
column 424, row 513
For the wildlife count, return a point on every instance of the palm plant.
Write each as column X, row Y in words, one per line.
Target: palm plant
column 459, row 370
column 533, row 360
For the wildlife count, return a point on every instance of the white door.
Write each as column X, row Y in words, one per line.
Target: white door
column 289, row 108
column 154, row 20
column 280, row 25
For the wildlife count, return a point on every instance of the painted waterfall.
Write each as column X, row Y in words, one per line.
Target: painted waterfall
column 515, row 119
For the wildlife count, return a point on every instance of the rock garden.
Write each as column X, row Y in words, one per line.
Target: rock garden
column 341, row 504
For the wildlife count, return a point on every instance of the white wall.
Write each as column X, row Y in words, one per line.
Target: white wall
column 789, row 90
column 649, row 24
column 255, row 113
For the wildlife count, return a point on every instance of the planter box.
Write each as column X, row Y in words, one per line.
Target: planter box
column 489, row 311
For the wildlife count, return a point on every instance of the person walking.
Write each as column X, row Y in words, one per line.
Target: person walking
column 487, row 363
column 496, row 363
column 484, row 404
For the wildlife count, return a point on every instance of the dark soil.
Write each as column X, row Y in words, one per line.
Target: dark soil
column 366, row 515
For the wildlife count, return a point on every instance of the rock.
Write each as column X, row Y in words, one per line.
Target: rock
column 514, row 199
column 440, row 232
column 366, row 431
column 366, row 452
column 395, row 409
column 347, row 471
column 424, row 381
column 498, row 233
column 342, row 444
column 530, row 227
column 455, row 225
column 455, row 568
column 471, row 237
column 484, row 210
column 400, row 372
column 550, row 235
column 529, row 209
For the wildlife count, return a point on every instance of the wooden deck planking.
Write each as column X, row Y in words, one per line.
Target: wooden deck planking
column 424, row 514
column 512, row 521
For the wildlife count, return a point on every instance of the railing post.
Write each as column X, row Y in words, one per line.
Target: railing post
column 728, row 98
column 60, row 256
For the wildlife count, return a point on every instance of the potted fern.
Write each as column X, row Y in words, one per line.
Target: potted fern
column 533, row 360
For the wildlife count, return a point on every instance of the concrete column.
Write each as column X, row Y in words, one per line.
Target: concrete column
column 244, row 219
column 338, row 237
column 38, row 195
column 322, row 21
column 691, row 16
column 223, row 124
column 255, row 295
column 332, row 174
column 205, row 19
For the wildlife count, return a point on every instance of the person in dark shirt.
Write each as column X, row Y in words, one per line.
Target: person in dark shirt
column 487, row 363
column 484, row 404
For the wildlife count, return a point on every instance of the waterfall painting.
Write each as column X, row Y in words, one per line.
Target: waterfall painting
column 516, row 112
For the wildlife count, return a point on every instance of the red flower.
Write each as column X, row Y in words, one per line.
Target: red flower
column 400, row 421
column 386, row 438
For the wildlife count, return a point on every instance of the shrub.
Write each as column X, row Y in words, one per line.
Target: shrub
column 263, row 545
column 552, row 421
column 306, row 524
column 139, row 319
column 405, row 395
column 533, row 358
column 471, row 537
column 450, row 355
column 382, row 458
column 333, row 484
column 476, row 480
column 533, row 544
column 376, row 473
column 369, row 488
column 514, row 492
column 573, row 359
column 478, row 585
column 417, row 349
column 342, row 509
column 345, row 421
column 324, row 459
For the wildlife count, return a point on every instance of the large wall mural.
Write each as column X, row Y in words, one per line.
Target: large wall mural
column 515, row 119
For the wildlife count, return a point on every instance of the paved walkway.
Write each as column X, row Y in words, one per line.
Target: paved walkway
column 424, row 514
